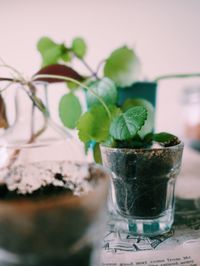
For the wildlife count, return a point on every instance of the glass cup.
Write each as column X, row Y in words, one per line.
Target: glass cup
column 142, row 187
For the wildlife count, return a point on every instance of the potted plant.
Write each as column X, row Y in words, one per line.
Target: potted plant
column 51, row 209
column 125, row 129
column 143, row 162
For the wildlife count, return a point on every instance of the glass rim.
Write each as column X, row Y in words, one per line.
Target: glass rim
column 178, row 146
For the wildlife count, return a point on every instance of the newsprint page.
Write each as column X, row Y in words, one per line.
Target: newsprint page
column 181, row 246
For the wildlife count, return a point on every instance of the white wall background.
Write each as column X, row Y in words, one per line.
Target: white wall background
column 165, row 34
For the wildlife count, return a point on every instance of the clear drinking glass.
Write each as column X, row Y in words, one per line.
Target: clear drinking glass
column 143, row 184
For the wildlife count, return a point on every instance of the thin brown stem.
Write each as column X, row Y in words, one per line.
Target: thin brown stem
column 94, row 74
column 82, row 85
column 9, row 79
column 38, row 133
column 32, row 139
column 21, row 78
column 33, row 136
column 100, row 65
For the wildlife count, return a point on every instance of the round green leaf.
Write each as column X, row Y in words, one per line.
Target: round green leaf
column 44, row 44
column 51, row 52
column 122, row 67
column 166, row 139
column 79, row 47
column 66, row 56
column 52, row 55
column 94, row 125
column 126, row 125
column 85, row 127
column 105, row 89
column 71, row 85
column 97, row 154
column 150, row 122
column 69, row 110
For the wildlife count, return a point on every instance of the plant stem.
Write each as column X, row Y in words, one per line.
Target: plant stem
column 33, row 137
column 78, row 83
column 20, row 77
column 9, row 79
column 6, row 87
column 87, row 66
column 177, row 76
column 99, row 65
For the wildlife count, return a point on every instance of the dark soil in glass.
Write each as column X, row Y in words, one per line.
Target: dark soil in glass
column 143, row 179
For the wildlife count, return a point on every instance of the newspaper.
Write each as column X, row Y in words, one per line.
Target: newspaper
column 186, row 257
column 181, row 246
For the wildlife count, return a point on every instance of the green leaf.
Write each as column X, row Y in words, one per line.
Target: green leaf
column 148, row 138
column 126, row 125
column 72, row 85
column 44, row 44
column 50, row 51
column 85, row 126
column 69, row 110
column 166, row 139
column 105, row 89
column 114, row 110
column 110, row 142
column 52, row 55
column 94, row 125
column 149, row 123
column 66, row 57
column 133, row 143
column 79, row 47
column 122, row 66
column 97, row 153
column 66, row 54
column 40, row 105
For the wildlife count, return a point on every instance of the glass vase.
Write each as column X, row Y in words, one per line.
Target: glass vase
column 52, row 201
